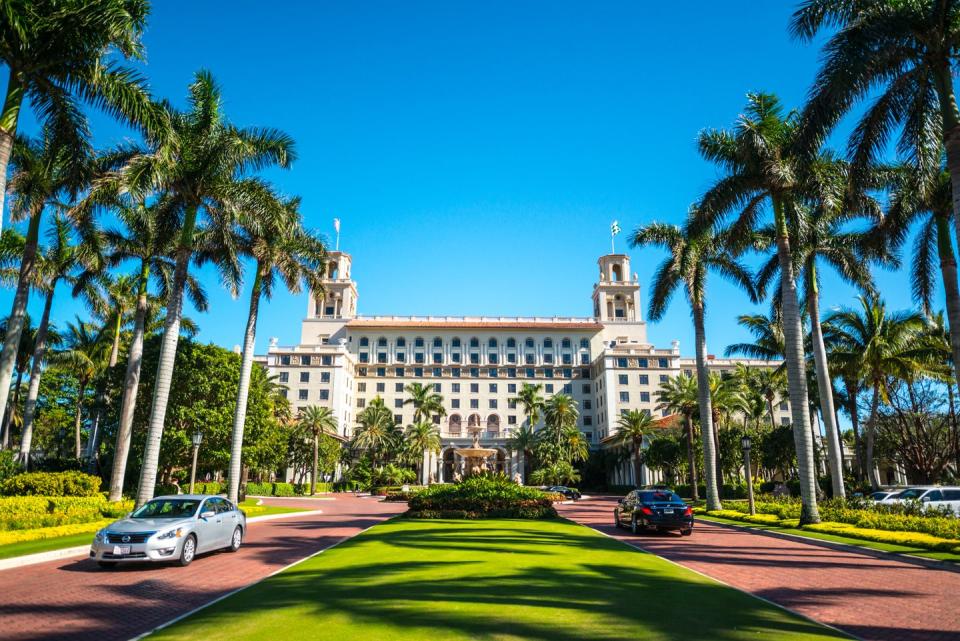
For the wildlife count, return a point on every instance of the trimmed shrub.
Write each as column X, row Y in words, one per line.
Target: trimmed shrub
column 346, row 486
column 481, row 497
column 912, row 539
column 259, row 489
column 282, row 489
column 208, row 487
column 40, row 534
column 29, row 512
column 51, row 484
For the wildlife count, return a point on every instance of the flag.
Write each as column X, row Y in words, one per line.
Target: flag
column 336, row 224
column 615, row 228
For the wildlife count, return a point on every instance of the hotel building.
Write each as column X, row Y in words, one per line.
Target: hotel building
column 344, row 360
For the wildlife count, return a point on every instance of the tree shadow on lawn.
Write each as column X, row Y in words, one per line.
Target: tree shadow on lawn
column 387, row 584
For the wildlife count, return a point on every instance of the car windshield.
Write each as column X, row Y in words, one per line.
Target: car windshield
column 659, row 497
column 879, row 496
column 912, row 493
column 167, row 509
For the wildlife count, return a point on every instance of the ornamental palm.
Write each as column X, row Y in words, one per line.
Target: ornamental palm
column 632, row 426
column 878, row 345
column 531, row 403
column 426, row 402
column 692, row 253
column 62, row 53
column 317, row 421
column 523, row 440
column 84, row 355
column 420, row 438
column 763, row 167
column 24, row 351
column 199, row 168
column 679, row 395
column 272, row 233
column 146, row 239
column 376, row 431
column 59, row 261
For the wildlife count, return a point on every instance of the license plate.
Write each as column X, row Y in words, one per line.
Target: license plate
column 668, row 510
column 121, row 550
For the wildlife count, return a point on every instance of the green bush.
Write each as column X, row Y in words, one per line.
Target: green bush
column 259, row 489
column 209, row 487
column 51, row 484
column 481, row 497
column 165, row 489
column 282, row 489
column 8, row 465
column 28, row 512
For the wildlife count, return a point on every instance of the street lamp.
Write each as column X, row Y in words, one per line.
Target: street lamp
column 642, row 455
column 745, row 444
column 197, row 439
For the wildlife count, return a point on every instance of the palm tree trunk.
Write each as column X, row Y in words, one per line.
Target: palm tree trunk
column 243, row 391
column 168, row 355
column 316, row 455
column 954, row 431
column 951, row 289
column 36, row 370
column 773, row 420
column 637, row 463
column 716, row 445
column 115, row 349
column 872, row 473
column 706, row 411
column 692, row 459
column 8, row 130
column 950, row 119
column 131, row 384
column 854, row 413
column 796, row 374
column 77, row 419
column 825, row 387
column 7, row 427
column 11, row 342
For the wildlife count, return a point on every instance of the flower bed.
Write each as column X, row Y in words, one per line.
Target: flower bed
column 481, row 497
column 40, row 534
column 29, row 512
column 51, row 484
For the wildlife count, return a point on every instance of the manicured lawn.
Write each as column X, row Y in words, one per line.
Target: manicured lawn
column 264, row 510
column 874, row 545
column 499, row 579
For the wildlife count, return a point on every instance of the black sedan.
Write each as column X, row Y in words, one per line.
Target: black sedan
column 652, row 510
column 569, row 492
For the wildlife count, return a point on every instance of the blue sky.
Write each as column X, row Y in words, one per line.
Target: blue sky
column 477, row 152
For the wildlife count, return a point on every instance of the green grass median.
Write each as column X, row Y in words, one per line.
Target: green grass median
column 491, row 579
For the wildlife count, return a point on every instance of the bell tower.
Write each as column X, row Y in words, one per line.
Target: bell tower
column 339, row 298
column 616, row 295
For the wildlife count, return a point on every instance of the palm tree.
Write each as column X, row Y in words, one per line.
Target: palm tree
column 426, row 402
column 559, row 412
column 523, row 440
column 59, row 261
column 762, row 166
column 692, row 252
column 878, row 345
column 199, row 167
column 12, row 413
column 60, row 54
column 376, row 431
column 85, row 356
column 146, row 239
column 768, row 341
column 317, row 421
column 272, row 233
column 531, row 403
column 632, row 426
column 44, row 171
column 420, row 438
column 679, row 395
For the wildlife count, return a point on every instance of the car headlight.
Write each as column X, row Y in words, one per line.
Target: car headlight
column 170, row 534
column 100, row 536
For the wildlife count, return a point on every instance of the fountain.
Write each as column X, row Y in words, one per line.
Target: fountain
column 475, row 457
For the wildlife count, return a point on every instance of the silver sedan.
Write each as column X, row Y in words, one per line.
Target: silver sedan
column 171, row 529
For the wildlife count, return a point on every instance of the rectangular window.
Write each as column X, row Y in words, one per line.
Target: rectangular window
column 624, row 397
column 361, row 371
column 511, row 372
column 548, row 373
column 474, row 403
column 456, row 388
column 567, row 388
column 418, row 357
column 455, row 357
column 381, row 388
column 361, row 402
column 455, row 403
column 585, row 388
column 284, row 377
column 548, row 358
column 436, row 387
column 474, row 358
column 511, row 388
column 474, row 388
column 493, row 403
column 584, row 359
column 492, row 372
column 784, row 420
column 324, row 377
column 493, row 388
column 398, row 419
column 324, row 394
column 511, row 420
column 644, row 397
column 455, row 372
column 567, row 372
column 512, row 403
column 398, row 403
column 304, row 360
column 568, row 359
column 364, row 357
column 664, row 378
column 511, row 358
column 623, row 379
column 664, row 362
column 548, row 388
column 418, row 372
column 587, row 420
column 644, row 363
column 327, row 360
column 621, row 362
column 528, row 359
column 530, row 373
column 398, row 387
column 585, row 372
column 304, row 377
column 644, row 379
column 285, row 359
column 492, row 359
column 398, row 372
column 474, row 372
column 437, row 372
column 587, row 404
column 302, row 395
column 381, row 357
column 438, row 358
column 361, row 387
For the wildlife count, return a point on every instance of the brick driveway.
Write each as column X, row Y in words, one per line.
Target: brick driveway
column 74, row 600
column 872, row 598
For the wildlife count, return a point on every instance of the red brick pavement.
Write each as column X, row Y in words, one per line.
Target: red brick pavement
column 74, row 600
column 872, row 598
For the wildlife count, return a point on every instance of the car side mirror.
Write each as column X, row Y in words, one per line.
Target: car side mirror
column 208, row 514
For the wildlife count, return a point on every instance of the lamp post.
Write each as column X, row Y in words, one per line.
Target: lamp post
column 745, row 444
column 644, row 446
column 197, row 439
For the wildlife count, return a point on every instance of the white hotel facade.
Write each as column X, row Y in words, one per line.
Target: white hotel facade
column 344, row 360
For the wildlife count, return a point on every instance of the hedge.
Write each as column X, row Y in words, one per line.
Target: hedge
column 51, row 484
column 481, row 497
column 285, row 489
column 29, row 512
column 40, row 534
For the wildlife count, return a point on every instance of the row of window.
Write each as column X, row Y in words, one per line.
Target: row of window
column 624, row 379
column 400, row 341
column 642, row 363
column 625, row 397
column 305, row 359
column 304, row 377
column 304, row 395
column 455, row 388
column 477, row 372
column 474, row 358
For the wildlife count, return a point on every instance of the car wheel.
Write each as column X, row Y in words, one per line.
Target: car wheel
column 235, row 540
column 634, row 526
column 188, row 551
column 107, row 565
column 686, row 532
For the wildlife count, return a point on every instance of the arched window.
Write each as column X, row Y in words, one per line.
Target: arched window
column 364, row 341
column 511, row 342
column 493, row 423
column 492, row 342
column 474, row 342
column 333, row 270
column 548, row 343
column 529, row 342
column 437, row 341
column 617, row 273
column 584, row 343
column 418, row 341
column 565, row 343
column 455, row 423
column 401, row 342
column 382, row 341
column 455, row 342
column 473, row 421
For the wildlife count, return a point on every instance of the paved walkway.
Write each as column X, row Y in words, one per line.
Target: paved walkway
column 74, row 600
column 871, row 598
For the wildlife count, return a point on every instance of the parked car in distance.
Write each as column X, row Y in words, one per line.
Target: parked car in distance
column 882, row 495
column 645, row 510
column 568, row 492
column 171, row 529
column 930, row 496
